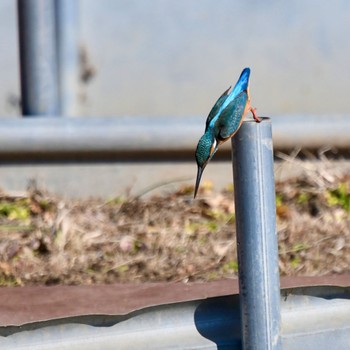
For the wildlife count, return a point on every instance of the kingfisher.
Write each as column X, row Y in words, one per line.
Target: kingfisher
column 224, row 120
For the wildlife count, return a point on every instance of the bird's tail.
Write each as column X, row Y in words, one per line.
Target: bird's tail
column 242, row 83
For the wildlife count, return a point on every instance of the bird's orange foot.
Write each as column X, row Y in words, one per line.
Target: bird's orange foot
column 255, row 116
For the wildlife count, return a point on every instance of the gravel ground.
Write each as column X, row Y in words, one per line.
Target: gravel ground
column 46, row 240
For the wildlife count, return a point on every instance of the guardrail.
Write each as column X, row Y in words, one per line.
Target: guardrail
column 151, row 138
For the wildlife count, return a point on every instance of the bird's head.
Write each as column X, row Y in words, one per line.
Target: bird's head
column 206, row 148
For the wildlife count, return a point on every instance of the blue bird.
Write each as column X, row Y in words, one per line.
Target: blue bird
column 223, row 121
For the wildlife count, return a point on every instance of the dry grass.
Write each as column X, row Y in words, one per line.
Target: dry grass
column 165, row 238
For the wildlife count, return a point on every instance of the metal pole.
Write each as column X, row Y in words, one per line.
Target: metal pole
column 38, row 59
column 68, row 54
column 256, row 236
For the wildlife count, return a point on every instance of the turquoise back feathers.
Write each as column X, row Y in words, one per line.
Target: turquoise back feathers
column 223, row 122
column 228, row 101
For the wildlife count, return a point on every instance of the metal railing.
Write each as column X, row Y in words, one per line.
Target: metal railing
column 151, row 138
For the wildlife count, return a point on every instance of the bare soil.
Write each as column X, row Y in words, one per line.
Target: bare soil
column 45, row 240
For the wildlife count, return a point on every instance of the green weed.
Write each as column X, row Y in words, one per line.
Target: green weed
column 18, row 210
column 339, row 196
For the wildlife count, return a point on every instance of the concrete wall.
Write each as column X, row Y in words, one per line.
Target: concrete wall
column 176, row 57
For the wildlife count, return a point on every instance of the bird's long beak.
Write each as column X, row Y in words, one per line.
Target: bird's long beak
column 199, row 175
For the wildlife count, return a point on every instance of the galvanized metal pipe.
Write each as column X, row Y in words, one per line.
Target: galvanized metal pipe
column 38, row 59
column 68, row 55
column 256, row 236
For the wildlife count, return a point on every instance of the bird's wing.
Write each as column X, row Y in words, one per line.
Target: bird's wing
column 216, row 108
column 228, row 98
column 229, row 120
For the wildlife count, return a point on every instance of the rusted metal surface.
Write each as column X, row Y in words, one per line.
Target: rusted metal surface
column 29, row 304
column 20, row 305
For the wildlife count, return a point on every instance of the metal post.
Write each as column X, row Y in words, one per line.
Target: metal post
column 68, row 54
column 38, row 59
column 252, row 153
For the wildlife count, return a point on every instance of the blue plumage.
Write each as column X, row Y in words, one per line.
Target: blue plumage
column 224, row 120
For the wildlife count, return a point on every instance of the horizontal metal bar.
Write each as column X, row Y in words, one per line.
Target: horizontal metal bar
column 311, row 131
column 162, row 136
column 312, row 318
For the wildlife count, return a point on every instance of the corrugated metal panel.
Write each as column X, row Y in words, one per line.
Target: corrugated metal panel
column 312, row 318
